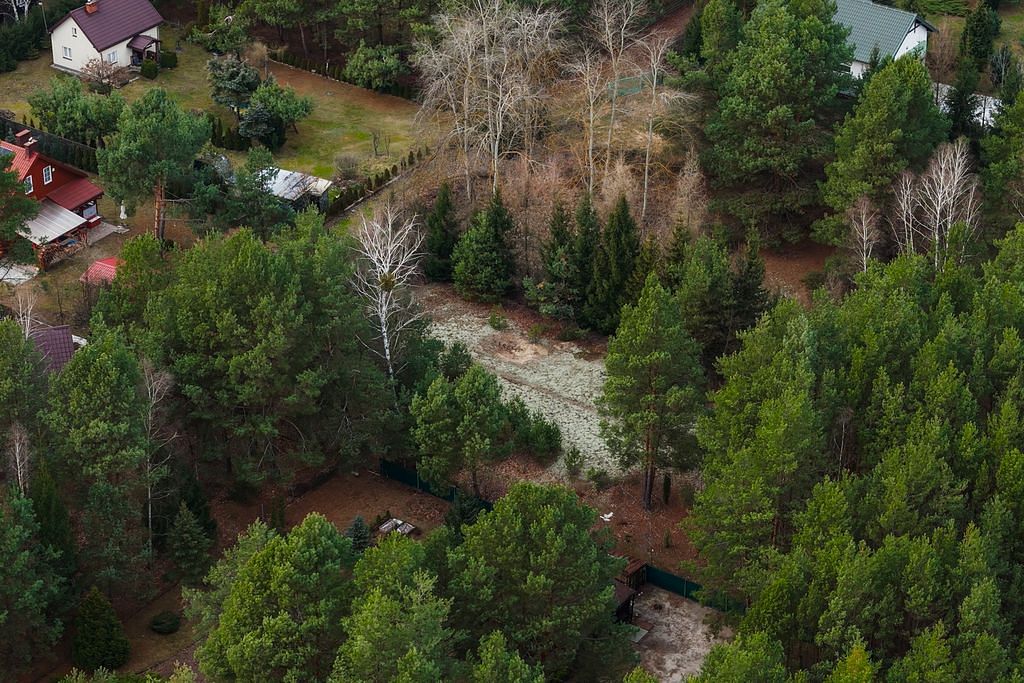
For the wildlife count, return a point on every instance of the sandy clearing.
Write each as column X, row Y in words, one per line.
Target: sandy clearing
column 680, row 637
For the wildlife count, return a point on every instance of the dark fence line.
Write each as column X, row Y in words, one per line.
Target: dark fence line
column 410, row 477
column 66, row 151
column 657, row 577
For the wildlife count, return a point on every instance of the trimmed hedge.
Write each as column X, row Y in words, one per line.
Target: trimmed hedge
column 149, row 69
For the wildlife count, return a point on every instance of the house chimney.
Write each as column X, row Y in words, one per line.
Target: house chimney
column 29, row 144
column 22, row 136
column 91, row 6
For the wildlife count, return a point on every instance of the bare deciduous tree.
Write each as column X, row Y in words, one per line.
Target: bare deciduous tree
column 25, row 300
column 619, row 181
column 616, row 26
column 692, row 195
column 156, row 385
column 903, row 219
column 105, row 73
column 948, row 196
column 19, row 455
column 389, row 253
column 865, row 233
column 587, row 73
column 487, row 74
column 655, row 48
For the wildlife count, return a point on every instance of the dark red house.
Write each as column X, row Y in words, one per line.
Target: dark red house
column 67, row 200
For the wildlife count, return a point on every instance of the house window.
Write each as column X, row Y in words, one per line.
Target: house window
column 74, row 31
column 67, row 52
column 28, row 185
column 47, row 175
column 112, row 56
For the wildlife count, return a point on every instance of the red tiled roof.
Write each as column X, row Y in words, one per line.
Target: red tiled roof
column 101, row 271
column 55, row 345
column 72, row 195
column 114, row 21
column 21, row 160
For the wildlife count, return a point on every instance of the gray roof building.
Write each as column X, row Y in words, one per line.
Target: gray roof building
column 872, row 25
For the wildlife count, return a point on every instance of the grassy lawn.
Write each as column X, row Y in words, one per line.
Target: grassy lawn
column 343, row 121
column 1012, row 30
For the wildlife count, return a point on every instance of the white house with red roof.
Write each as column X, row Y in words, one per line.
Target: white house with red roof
column 66, row 197
column 122, row 32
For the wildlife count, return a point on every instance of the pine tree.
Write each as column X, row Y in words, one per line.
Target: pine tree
column 770, row 127
column 189, row 547
column 360, row 534
column 895, row 125
column 99, row 639
column 654, row 389
column 482, row 260
column 442, row 234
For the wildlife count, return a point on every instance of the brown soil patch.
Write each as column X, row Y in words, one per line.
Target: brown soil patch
column 786, row 270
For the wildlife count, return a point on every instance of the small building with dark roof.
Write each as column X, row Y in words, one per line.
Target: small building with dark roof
column 55, row 345
column 892, row 32
column 120, row 32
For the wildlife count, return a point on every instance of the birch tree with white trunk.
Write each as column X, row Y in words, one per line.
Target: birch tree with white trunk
column 948, row 195
column 903, row 216
column 388, row 251
column 19, row 456
column 18, row 9
column 156, row 386
column 865, row 233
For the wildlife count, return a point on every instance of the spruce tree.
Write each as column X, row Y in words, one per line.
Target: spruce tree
column 482, row 260
column 556, row 294
column 588, row 244
column 442, row 234
column 99, row 639
column 961, row 101
column 54, row 521
column 189, row 547
column 613, row 269
column 359, row 533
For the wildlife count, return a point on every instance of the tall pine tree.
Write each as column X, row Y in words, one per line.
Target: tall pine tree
column 482, row 261
column 442, row 234
column 613, row 267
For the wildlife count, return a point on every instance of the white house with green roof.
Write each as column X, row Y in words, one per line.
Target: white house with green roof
column 894, row 32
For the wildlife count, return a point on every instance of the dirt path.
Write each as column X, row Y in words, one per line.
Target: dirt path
column 557, row 378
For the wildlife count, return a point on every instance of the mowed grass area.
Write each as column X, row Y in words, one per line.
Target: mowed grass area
column 343, row 122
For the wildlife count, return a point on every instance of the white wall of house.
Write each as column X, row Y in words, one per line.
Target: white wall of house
column 914, row 39
column 68, row 35
column 857, row 69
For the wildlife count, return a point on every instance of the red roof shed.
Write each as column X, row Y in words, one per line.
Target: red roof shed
column 101, row 272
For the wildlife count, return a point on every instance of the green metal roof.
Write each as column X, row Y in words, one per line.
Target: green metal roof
column 873, row 25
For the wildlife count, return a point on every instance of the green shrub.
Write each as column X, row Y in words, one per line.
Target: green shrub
column 687, row 493
column 168, row 59
column 99, row 636
column 454, row 361
column 165, row 623
column 535, row 332
column 574, row 461
column 599, row 478
column 149, row 69
column 497, row 319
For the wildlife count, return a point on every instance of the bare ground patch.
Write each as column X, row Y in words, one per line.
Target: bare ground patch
column 679, row 636
column 560, row 379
